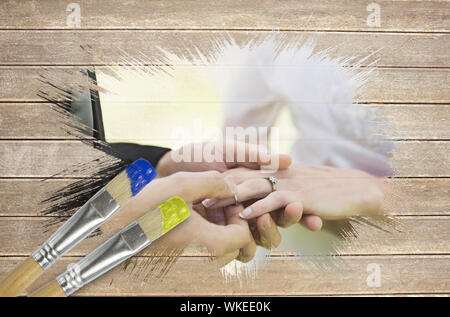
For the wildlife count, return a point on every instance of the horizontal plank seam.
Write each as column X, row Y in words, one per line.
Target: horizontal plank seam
column 3, row 215
column 381, row 103
column 89, row 177
column 181, row 65
column 235, row 30
column 31, row 139
column 6, row 215
column 8, row 103
column 369, row 255
column 367, row 102
column 78, row 141
column 103, row 64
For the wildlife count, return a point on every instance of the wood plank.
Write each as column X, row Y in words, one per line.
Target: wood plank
column 415, row 121
column 412, row 85
column 346, row 15
column 31, row 158
column 63, row 48
column 390, row 85
column 39, row 121
column 32, row 121
column 416, row 158
column 282, row 276
column 421, row 235
column 22, row 197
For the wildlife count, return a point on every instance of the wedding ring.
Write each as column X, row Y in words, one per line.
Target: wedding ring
column 273, row 181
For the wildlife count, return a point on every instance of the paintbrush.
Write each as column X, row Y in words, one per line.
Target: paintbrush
column 126, row 243
column 105, row 203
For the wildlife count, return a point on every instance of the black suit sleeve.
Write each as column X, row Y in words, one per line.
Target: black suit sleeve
column 131, row 152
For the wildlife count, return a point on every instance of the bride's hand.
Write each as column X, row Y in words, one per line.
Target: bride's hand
column 326, row 192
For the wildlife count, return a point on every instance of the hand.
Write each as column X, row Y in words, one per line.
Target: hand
column 239, row 154
column 226, row 239
column 328, row 192
column 264, row 228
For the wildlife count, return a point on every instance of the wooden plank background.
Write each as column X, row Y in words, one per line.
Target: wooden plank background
column 411, row 86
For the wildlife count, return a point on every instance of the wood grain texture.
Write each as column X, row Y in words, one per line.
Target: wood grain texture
column 411, row 87
column 20, row 236
column 389, row 85
column 63, row 48
column 40, row 121
column 32, row 121
column 416, row 158
column 415, row 121
column 428, row 196
column 30, row 158
column 399, row 274
column 326, row 15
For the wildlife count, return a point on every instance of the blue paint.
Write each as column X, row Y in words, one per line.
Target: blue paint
column 140, row 173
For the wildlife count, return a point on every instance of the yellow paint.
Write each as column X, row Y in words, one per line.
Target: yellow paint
column 173, row 211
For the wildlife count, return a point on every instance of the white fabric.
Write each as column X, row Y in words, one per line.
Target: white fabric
column 320, row 93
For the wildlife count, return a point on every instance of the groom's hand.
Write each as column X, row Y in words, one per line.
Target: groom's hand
column 231, row 236
column 219, row 156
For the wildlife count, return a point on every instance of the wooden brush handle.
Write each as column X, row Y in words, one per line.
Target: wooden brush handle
column 51, row 289
column 20, row 278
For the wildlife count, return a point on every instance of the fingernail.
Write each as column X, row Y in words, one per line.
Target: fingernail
column 207, row 203
column 245, row 213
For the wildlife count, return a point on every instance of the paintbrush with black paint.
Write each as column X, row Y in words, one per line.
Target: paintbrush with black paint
column 126, row 243
column 105, row 203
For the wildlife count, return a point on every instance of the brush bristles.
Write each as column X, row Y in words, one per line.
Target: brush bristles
column 151, row 224
column 164, row 218
column 120, row 188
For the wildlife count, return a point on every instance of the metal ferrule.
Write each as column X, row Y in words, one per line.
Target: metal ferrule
column 88, row 218
column 128, row 242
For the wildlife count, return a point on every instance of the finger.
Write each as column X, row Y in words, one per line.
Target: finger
column 252, row 156
column 239, row 175
column 217, row 216
column 269, row 236
column 273, row 201
column 220, row 240
column 200, row 209
column 288, row 216
column 227, row 258
column 251, row 189
column 312, row 222
column 246, row 252
column 193, row 186
column 284, row 161
column 255, row 232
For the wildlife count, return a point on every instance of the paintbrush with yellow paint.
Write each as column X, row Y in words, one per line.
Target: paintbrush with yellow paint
column 105, row 203
column 126, row 243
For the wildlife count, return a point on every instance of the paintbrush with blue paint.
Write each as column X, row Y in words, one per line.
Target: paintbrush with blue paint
column 126, row 243
column 105, row 203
